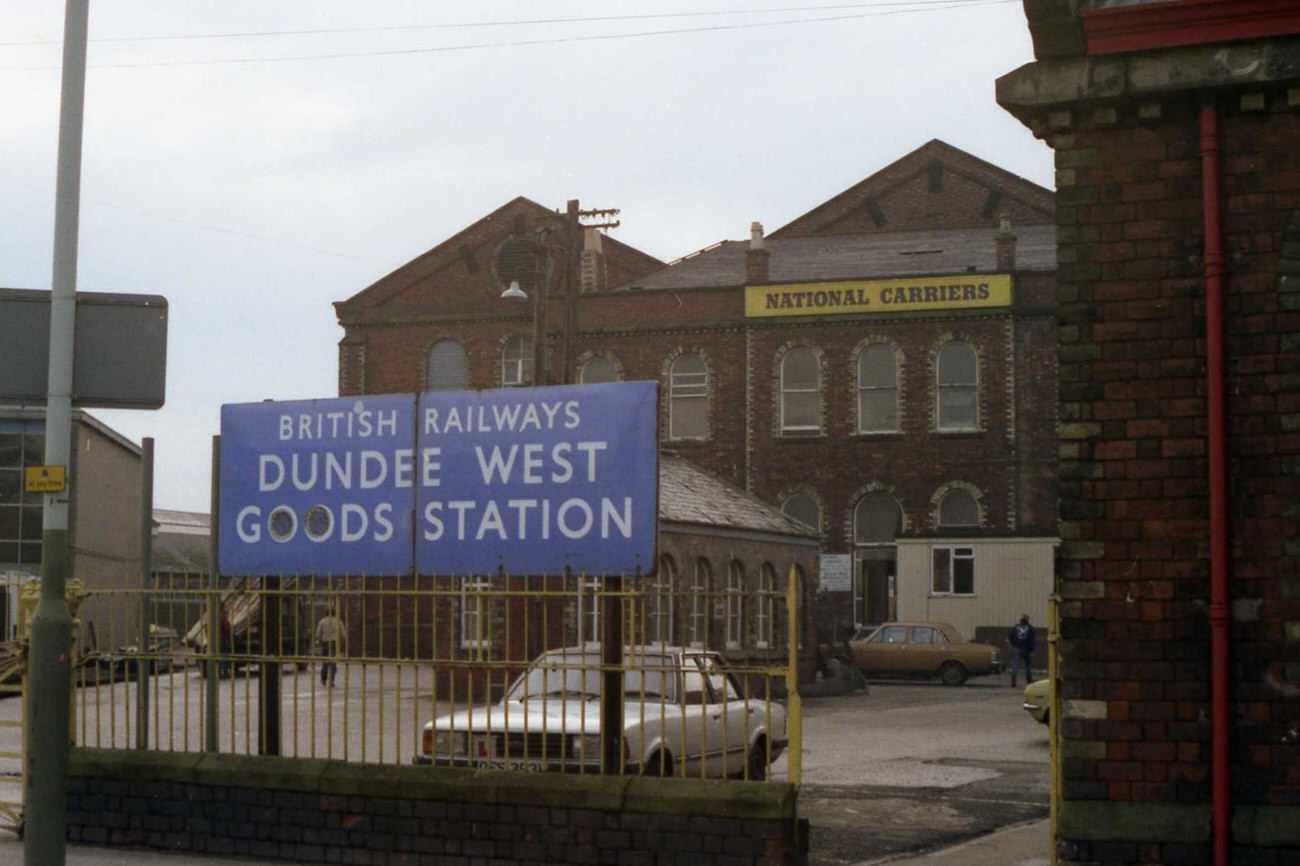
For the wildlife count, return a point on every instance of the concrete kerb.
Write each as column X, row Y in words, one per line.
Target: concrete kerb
column 1027, row 844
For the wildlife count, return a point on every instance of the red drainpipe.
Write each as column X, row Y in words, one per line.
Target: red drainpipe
column 1220, row 767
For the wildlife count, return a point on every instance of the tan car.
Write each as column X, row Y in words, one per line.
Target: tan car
column 923, row 649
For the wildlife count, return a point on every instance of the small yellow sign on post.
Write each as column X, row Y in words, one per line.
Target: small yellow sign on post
column 45, row 479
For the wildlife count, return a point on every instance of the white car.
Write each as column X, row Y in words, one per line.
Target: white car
column 683, row 715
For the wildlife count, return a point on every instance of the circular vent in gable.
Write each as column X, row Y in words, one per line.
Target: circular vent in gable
column 516, row 259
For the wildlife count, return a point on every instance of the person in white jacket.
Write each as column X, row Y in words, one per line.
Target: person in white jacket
column 330, row 634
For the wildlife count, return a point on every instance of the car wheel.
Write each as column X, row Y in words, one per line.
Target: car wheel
column 756, row 762
column 952, row 673
column 658, row 764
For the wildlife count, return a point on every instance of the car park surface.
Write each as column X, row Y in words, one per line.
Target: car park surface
column 914, row 766
column 922, row 649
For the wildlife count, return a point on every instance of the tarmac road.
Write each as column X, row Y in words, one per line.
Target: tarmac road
column 912, row 767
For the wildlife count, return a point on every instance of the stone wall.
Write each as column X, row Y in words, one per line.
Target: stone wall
column 320, row 811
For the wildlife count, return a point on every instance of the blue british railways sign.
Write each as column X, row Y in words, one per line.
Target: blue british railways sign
column 525, row 481
column 317, row 486
column 537, row 480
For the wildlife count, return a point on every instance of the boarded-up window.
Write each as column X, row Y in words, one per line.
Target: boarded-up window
column 804, row 509
column 877, row 519
column 448, row 369
column 959, row 508
column 598, row 369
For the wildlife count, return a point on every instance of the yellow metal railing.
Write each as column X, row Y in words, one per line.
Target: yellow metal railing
column 1054, row 718
column 419, row 649
column 12, row 735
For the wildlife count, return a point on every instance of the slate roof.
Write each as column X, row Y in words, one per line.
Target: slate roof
column 688, row 494
column 841, row 257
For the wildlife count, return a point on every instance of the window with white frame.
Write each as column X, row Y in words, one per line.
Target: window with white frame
column 697, row 603
column 957, row 376
column 764, row 602
column 688, row 398
column 735, row 605
column 803, row 508
column 659, row 603
column 959, row 508
column 475, row 628
column 589, row 609
column 801, row 392
column 954, row 571
column 517, row 361
column 597, row 369
column 877, row 390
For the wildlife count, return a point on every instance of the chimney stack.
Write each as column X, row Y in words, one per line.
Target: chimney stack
column 591, row 267
column 756, row 257
column 1006, row 246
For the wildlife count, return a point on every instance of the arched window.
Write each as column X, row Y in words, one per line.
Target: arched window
column 597, row 369
column 688, row 398
column 447, row 369
column 959, row 508
column 801, row 392
column 877, row 390
column 958, row 386
column 517, row 361
column 804, row 509
column 877, row 520
column 735, row 609
column 697, row 603
column 659, row 613
column 764, row 603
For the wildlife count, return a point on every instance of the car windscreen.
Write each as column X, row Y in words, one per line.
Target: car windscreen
column 578, row 675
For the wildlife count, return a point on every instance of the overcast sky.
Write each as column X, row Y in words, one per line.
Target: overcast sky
column 255, row 160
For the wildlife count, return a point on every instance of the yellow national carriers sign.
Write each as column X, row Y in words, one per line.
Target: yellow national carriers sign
column 899, row 295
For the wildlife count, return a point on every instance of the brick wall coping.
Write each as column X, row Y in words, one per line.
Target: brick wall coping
column 1036, row 86
column 700, row 797
column 1261, row 826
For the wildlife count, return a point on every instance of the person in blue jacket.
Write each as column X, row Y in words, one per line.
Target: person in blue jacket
column 1022, row 639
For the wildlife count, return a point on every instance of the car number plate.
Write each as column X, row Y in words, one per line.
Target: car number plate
column 510, row 764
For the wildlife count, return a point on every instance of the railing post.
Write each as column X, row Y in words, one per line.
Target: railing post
column 214, row 603
column 611, row 660
column 144, row 662
column 268, row 728
column 794, row 701
column 1054, row 717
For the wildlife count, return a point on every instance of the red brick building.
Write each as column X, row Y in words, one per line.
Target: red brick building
column 1176, row 130
column 883, row 368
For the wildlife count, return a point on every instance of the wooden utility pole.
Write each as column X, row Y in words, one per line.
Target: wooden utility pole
column 574, row 239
